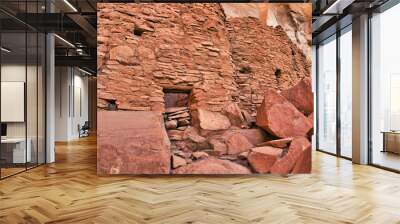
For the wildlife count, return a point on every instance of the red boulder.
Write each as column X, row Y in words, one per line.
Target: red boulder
column 301, row 96
column 211, row 121
column 286, row 164
column 262, row 159
column 237, row 143
column 128, row 145
column 280, row 118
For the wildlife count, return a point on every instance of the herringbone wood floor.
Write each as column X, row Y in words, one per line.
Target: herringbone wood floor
column 70, row 192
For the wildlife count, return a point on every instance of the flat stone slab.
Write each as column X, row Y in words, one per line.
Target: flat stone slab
column 132, row 142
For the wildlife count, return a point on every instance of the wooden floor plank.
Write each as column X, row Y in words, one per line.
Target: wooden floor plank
column 69, row 191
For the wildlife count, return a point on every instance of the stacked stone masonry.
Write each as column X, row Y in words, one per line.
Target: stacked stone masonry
column 244, row 102
column 144, row 49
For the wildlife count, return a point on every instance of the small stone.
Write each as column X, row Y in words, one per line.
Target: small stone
column 237, row 143
column 178, row 161
column 174, row 109
column 176, row 135
column 200, row 155
column 171, row 124
column 218, row 146
column 279, row 143
column 182, row 115
column 192, row 134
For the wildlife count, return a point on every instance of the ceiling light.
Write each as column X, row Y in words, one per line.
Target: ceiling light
column 84, row 71
column 5, row 50
column 337, row 7
column 70, row 5
column 65, row 41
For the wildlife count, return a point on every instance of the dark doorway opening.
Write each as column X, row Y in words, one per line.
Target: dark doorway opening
column 176, row 98
column 177, row 115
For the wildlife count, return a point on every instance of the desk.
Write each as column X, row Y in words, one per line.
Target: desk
column 16, row 147
column 391, row 141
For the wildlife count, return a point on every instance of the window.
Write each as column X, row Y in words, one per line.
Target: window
column 327, row 95
column 346, row 93
column 385, row 89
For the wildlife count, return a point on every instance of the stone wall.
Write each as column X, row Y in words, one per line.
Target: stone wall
column 264, row 58
column 155, row 55
column 145, row 48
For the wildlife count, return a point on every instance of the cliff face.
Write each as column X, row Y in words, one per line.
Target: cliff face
column 264, row 58
column 219, row 81
column 295, row 19
column 147, row 49
column 216, row 53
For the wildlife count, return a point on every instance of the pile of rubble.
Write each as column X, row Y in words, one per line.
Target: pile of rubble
column 207, row 142
column 177, row 118
column 228, row 143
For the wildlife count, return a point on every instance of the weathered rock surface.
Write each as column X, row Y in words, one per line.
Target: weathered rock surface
column 264, row 57
column 303, row 163
column 280, row 118
column 176, row 135
column 200, row 155
column 279, row 143
column 212, row 121
column 301, row 96
column 255, row 135
column 204, row 52
column 178, row 161
column 262, row 159
column 171, row 124
column 206, row 74
column 212, row 166
column 192, row 134
column 295, row 19
column 127, row 145
column 234, row 113
column 286, row 164
column 194, row 49
column 237, row 143
column 219, row 146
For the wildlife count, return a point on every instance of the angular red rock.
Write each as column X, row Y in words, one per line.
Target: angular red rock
column 286, row 164
column 233, row 112
column 212, row 165
column 237, row 143
column 208, row 120
column 303, row 163
column 262, row 159
column 218, row 146
column 127, row 145
column 301, row 96
column 280, row 118
column 279, row 143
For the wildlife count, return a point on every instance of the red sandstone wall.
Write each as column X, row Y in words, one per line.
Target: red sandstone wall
column 294, row 18
column 264, row 58
column 182, row 45
column 191, row 46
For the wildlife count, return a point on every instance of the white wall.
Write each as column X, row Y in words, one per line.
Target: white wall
column 71, row 102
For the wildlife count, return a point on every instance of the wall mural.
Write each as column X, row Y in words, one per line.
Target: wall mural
column 204, row 88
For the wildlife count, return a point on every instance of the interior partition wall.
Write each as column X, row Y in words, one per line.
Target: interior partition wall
column 23, row 87
column 334, row 94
